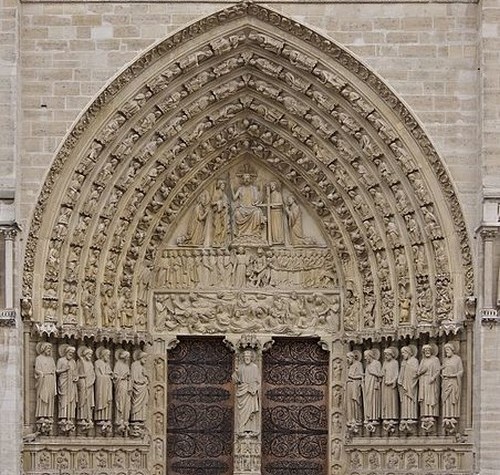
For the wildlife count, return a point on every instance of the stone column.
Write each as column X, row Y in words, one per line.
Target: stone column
column 490, row 281
column 9, row 234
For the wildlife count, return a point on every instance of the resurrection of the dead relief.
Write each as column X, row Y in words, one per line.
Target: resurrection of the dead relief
column 266, row 194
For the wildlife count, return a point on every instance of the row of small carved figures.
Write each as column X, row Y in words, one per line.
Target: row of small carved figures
column 401, row 395
column 90, row 391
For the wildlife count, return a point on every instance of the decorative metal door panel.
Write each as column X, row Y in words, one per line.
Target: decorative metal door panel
column 200, row 408
column 295, row 418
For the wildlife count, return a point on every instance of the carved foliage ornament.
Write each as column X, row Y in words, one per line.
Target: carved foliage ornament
column 350, row 143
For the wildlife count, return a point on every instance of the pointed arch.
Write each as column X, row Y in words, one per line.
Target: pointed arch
column 250, row 81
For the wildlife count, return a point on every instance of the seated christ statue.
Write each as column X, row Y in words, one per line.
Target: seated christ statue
column 248, row 216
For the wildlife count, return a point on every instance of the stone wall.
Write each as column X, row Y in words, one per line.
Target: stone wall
column 427, row 53
column 442, row 58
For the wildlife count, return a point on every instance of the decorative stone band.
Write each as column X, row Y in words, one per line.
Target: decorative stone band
column 490, row 317
column 8, row 317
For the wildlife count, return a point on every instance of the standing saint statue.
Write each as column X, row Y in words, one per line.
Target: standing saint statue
column 140, row 387
column 276, row 232
column 428, row 386
column 408, row 387
column 247, row 380
column 390, row 400
column 121, row 376
column 67, row 386
column 103, row 388
column 86, row 380
column 220, row 209
column 45, row 385
column 354, row 415
column 248, row 216
column 371, row 388
column 452, row 371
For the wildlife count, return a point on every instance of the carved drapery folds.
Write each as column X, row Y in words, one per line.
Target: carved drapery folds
column 418, row 393
column 86, row 394
column 263, row 182
column 300, row 106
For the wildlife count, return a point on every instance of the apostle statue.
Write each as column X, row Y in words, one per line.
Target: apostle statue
column 247, row 380
column 140, row 387
column 248, row 216
column 371, row 388
column 408, row 387
column 86, row 380
column 451, row 385
column 428, row 386
column 45, row 385
column 121, row 377
column 354, row 416
column 67, row 379
column 390, row 400
column 103, row 389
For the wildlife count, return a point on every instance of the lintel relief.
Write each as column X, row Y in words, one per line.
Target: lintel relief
column 250, row 181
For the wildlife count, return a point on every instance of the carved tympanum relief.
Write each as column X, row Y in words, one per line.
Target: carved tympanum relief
column 263, row 182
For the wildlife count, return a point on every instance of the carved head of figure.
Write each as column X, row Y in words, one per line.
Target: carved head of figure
column 350, row 358
column 44, row 348
column 87, row 354
column 390, row 353
column 449, row 350
column 140, row 356
column 70, row 352
column 406, row 352
column 221, row 185
column 368, row 356
column 246, row 179
column 103, row 354
column 427, row 351
column 124, row 355
column 248, row 356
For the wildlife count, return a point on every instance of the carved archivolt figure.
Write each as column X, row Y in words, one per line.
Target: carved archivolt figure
column 67, row 382
column 354, row 414
column 248, row 216
column 371, row 386
column 140, row 388
column 86, row 380
column 121, row 376
column 451, row 373
column 45, row 381
column 276, row 232
column 247, row 379
column 103, row 385
column 220, row 207
column 428, row 379
column 390, row 371
column 408, row 383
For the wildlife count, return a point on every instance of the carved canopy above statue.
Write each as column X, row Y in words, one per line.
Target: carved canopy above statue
column 247, row 87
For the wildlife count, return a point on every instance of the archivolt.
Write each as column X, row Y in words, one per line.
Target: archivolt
column 247, row 82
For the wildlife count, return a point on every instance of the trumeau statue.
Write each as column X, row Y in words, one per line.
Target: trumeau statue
column 247, row 380
column 45, row 385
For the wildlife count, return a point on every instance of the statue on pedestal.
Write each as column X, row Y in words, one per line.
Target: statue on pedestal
column 67, row 387
column 45, row 385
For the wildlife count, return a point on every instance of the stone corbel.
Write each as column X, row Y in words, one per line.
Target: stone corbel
column 8, row 318
column 489, row 317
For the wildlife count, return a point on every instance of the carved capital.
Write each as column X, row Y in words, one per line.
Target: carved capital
column 9, row 232
column 488, row 233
